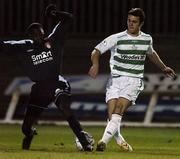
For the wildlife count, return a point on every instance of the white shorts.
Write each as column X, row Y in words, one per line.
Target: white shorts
column 123, row 86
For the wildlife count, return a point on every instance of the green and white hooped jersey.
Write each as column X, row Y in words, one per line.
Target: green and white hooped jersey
column 128, row 53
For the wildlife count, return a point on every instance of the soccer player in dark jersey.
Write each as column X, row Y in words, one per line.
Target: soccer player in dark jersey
column 40, row 58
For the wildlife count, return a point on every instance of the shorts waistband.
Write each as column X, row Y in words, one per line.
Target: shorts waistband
column 117, row 76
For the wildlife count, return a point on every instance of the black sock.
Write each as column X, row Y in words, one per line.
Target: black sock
column 77, row 129
column 74, row 124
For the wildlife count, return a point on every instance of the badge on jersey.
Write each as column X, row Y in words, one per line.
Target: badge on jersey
column 104, row 42
column 47, row 44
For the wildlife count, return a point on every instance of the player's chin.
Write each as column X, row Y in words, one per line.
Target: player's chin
column 132, row 30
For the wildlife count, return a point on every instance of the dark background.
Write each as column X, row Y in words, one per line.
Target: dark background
column 94, row 20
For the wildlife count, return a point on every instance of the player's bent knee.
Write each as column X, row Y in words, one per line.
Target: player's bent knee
column 63, row 100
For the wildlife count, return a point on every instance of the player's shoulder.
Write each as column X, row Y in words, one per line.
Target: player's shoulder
column 146, row 36
column 118, row 35
column 121, row 34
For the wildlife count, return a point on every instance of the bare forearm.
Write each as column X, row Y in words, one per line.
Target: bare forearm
column 169, row 72
column 95, row 55
column 94, row 69
column 154, row 58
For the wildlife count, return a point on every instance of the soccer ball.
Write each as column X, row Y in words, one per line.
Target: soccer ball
column 89, row 138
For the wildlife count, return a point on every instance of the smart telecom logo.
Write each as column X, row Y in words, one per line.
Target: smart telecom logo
column 41, row 58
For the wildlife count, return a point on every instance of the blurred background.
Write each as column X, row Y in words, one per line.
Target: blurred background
column 94, row 21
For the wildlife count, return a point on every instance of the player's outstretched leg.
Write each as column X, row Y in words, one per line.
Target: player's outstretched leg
column 63, row 104
column 31, row 116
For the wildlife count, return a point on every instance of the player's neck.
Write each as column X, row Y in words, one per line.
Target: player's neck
column 134, row 34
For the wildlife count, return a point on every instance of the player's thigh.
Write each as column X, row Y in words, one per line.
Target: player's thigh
column 40, row 96
column 111, row 90
column 130, row 89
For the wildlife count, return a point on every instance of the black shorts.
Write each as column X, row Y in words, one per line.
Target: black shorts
column 45, row 92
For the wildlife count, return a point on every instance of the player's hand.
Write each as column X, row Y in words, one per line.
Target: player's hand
column 93, row 71
column 169, row 72
column 50, row 10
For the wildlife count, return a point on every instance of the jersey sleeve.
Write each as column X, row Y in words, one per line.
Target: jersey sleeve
column 13, row 47
column 106, row 44
column 65, row 21
column 150, row 49
column 8, row 47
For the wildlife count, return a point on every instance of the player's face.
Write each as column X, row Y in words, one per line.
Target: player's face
column 134, row 25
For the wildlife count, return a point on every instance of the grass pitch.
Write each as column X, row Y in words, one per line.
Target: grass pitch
column 57, row 142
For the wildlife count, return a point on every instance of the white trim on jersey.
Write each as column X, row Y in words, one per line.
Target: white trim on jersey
column 18, row 41
column 54, row 30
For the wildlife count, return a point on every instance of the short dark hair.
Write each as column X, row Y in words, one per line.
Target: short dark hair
column 138, row 12
column 32, row 27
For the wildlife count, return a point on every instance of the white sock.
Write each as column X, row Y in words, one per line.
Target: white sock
column 118, row 137
column 111, row 128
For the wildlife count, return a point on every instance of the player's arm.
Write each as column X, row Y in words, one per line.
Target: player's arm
column 154, row 58
column 9, row 47
column 64, row 21
column 94, row 69
column 4, row 46
column 101, row 48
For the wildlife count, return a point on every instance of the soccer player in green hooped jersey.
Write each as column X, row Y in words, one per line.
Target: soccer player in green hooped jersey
column 128, row 53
